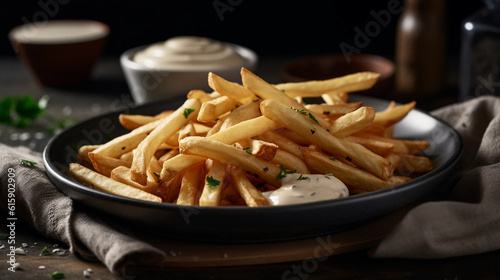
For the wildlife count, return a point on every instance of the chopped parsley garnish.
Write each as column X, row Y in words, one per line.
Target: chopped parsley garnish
column 348, row 159
column 247, row 149
column 212, row 183
column 328, row 175
column 23, row 111
column 332, row 158
column 28, row 163
column 301, row 177
column 304, row 112
column 313, row 194
column 57, row 275
column 157, row 174
column 187, row 111
column 283, row 172
column 45, row 251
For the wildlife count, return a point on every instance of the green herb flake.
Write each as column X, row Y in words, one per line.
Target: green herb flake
column 28, row 163
column 328, row 175
column 283, row 172
column 313, row 194
column 247, row 149
column 212, row 183
column 187, row 112
column 45, row 251
column 57, row 275
column 332, row 158
column 157, row 174
column 301, row 177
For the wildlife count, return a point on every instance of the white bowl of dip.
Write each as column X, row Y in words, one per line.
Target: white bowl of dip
column 172, row 68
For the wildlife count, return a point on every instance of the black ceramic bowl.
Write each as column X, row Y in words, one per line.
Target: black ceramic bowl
column 246, row 224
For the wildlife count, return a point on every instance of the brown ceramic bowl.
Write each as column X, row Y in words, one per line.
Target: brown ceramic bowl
column 335, row 65
column 60, row 52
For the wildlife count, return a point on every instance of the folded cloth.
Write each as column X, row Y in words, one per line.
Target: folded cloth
column 468, row 221
column 41, row 205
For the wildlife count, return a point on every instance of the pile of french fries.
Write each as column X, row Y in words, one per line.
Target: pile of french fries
column 229, row 146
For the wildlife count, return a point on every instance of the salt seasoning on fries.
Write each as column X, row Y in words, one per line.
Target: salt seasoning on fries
column 235, row 146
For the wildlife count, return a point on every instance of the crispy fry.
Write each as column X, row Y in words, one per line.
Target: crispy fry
column 284, row 143
column 334, row 109
column 352, row 122
column 228, row 154
column 190, row 185
column 83, row 152
column 235, row 91
column 104, row 164
column 290, row 161
column 381, row 148
column 167, row 127
column 349, row 83
column 335, row 97
column 100, row 182
column 122, row 174
column 354, row 177
column 259, row 148
column 354, row 152
column 132, row 122
column 266, row 91
column 252, row 196
column 214, row 182
column 414, row 164
column 211, row 110
column 393, row 114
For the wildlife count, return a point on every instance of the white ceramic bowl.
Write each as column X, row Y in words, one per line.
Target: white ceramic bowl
column 149, row 85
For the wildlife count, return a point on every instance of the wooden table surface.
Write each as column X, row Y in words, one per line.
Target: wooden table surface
column 108, row 90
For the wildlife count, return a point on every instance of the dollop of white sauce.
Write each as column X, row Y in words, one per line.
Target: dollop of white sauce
column 189, row 53
column 304, row 188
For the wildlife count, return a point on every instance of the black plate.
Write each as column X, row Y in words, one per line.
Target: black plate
column 245, row 224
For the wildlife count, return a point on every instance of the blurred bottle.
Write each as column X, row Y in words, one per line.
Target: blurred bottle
column 480, row 53
column 420, row 47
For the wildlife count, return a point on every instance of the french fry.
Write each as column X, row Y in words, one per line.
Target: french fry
column 83, row 152
column 242, row 113
column 352, row 122
column 211, row 110
column 259, row 148
column 334, row 109
column 290, row 161
column 414, row 164
column 335, row 97
column 235, row 91
column 245, row 129
column 350, row 151
column 167, row 127
column 252, row 196
column 200, row 95
column 127, row 142
column 393, row 114
column 266, row 91
column 401, row 146
column 381, row 148
column 224, row 153
column 190, row 185
column 284, row 143
column 214, row 182
column 100, row 182
column 349, row 83
column 132, row 122
column 122, row 174
column 104, row 164
column 351, row 176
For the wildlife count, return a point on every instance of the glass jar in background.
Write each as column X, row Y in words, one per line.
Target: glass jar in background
column 480, row 53
column 420, row 50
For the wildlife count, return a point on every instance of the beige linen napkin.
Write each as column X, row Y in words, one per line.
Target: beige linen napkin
column 40, row 204
column 468, row 222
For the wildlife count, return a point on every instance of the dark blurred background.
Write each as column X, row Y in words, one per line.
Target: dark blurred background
column 268, row 27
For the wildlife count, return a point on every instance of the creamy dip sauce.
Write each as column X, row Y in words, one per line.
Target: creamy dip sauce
column 59, row 31
column 303, row 188
column 189, row 53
